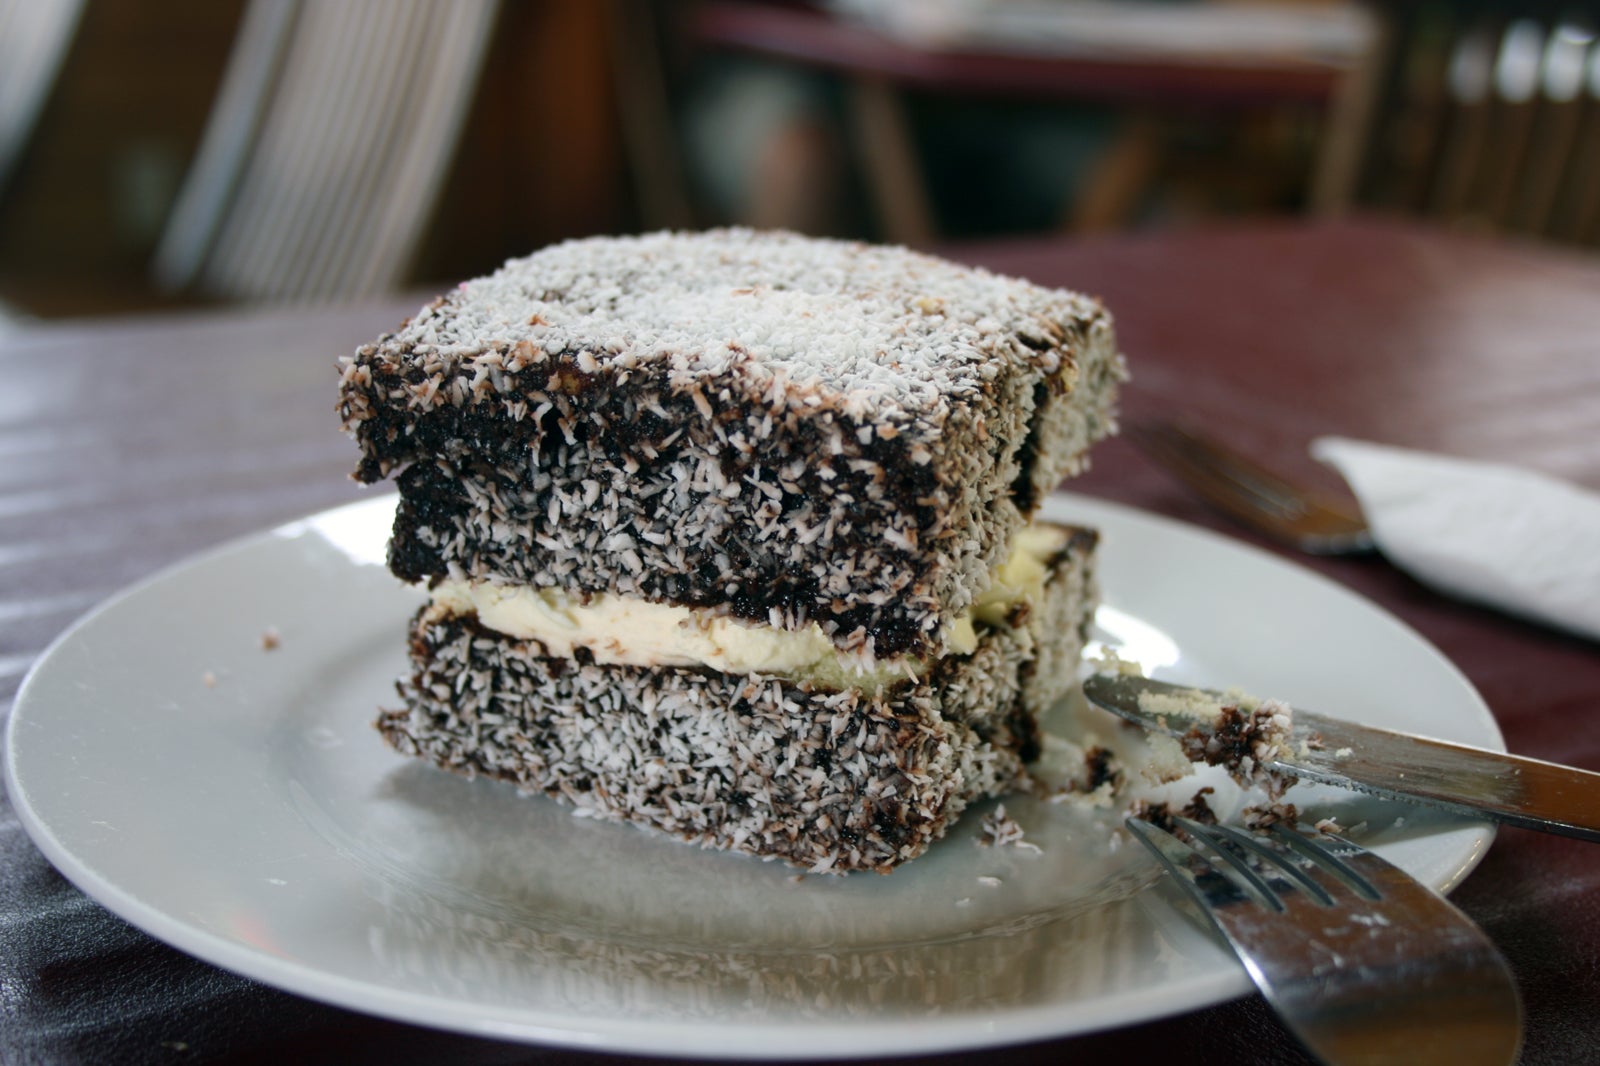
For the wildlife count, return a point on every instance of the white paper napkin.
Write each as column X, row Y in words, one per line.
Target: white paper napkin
column 1514, row 539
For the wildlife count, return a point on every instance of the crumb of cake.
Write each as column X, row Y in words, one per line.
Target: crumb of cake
column 208, row 679
column 999, row 829
column 1102, row 769
column 1244, row 738
column 1168, row 760
column 1109, row 662
column 1094, row 774
column 1329, row 825
column 1238, row 732
column 1185, row 703
column 1100, row 799
column 988, row 880
column 270, row 638
column 1161, row 815
column 795, row 879
column 1268, row 815
column 1198, row 810
column 1343, row 753
column 1157, row 814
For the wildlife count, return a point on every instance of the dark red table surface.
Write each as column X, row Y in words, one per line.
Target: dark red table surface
column 127, row 445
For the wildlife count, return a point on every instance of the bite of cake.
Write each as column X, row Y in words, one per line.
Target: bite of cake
column 728, row 534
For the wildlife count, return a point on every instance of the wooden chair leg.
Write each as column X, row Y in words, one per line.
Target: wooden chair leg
column 649, row 134
column 1581, row 215
column 894, row 176
column 1348, row 128
column 1119, row 180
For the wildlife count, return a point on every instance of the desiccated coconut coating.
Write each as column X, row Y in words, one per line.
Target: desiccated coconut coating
column 832, row 781
column 782, row 428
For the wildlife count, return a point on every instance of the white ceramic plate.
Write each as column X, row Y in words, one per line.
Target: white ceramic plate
column 232, row 800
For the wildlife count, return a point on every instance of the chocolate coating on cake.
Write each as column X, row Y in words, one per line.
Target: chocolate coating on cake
column 785, row 429
column 828, row 780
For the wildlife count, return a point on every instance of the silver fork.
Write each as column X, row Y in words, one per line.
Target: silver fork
column 1252, row 494
column 1362, row 962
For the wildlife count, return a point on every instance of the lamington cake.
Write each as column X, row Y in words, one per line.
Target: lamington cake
column 729, row 534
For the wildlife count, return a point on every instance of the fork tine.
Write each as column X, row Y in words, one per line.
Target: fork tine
column 1329, row 853
column 1356, row 864
column 1398, row 979
column 1236, row 845
column 1197, row 873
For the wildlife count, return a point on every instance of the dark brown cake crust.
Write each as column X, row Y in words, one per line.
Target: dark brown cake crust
column 635, row 439
column 726, row 480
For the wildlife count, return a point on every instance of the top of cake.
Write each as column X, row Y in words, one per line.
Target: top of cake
column 782, row 429
column 881, row 333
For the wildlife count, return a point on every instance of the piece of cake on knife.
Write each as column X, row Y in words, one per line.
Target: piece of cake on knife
column 728, row 534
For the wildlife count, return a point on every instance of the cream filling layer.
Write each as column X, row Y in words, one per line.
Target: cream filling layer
column 627, row 630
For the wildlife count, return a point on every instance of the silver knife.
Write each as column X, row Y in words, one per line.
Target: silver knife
column 1457, row 777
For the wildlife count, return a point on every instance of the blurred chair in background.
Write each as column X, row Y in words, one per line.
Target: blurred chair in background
column 643, row 36
column 1484, row 115
column 34, row 36
column 318, row 149
column 326, row 148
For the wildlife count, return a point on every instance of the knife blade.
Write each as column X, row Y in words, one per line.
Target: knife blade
column 1475, row 781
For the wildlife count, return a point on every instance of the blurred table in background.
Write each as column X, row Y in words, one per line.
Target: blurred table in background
column 130, row 444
